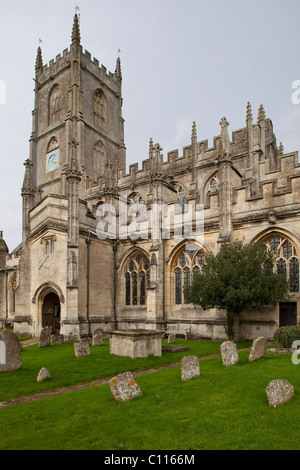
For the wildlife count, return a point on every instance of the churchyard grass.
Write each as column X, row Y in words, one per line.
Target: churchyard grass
column 223, row 408
column 66, row 369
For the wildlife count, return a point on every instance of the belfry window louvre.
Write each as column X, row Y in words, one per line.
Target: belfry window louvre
column 137, row 278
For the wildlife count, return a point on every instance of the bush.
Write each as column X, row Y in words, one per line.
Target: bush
column 286, row 335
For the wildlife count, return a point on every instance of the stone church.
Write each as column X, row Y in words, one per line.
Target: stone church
column 89, row 257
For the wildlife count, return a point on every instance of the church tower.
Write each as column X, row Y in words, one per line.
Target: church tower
column 75, row 99
column 77, row 133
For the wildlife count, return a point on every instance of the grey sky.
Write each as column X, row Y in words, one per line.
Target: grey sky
column 182, row 61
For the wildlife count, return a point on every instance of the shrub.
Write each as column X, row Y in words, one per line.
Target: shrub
column 286, row 335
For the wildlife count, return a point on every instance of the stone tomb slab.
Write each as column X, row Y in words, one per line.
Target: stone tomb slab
column 136, row 343
column 174, row 348
column 10, row 352
column 124, row 387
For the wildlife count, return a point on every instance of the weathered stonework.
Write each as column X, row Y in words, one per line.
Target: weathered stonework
column 124, row 387
column 137, row 343
column 43, row 374
column 64, row 275
column 82, row 348
column 229, row 353
column 190, row 368
column 45, row 337
column 10, row 352
column 279, row 392
column 257, row 348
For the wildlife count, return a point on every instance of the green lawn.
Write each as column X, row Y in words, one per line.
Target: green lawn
column 66, row 369
column 224, row 408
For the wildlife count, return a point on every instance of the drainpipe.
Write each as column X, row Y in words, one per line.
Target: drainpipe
column 115, row 247
column 164, row 278
column 88, row 242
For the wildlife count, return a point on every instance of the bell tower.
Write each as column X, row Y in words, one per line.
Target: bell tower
column 75, row 98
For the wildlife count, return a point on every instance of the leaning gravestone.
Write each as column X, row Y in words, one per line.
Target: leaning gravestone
column 229, row 353
column 82, row 348
column 43, row 374
column 279, row 392
column 45, row 337
column 257, row 349
column 10, row 352
column 189, row 367
column 124, row 387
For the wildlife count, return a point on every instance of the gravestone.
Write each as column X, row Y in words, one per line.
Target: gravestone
column 97, row 340
column 279, row 392
column 229, row 353
column 189, row 368
column 124, row 387
column 57, row 339
column 257, row 349
column 43, row 374
column 82, row 348
column 171, row 338
column 10, row 352
column 45, row 337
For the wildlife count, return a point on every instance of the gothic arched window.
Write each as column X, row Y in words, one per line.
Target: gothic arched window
column 55, row 105
column 287, row 263
column 137, row 278
column 213, row 186
column 99, row 104
column 188, row 263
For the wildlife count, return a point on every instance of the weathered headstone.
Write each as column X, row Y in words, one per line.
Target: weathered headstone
column 82, row 348
column 171, row 338
column 43, row 374
column 45, row 337
column 10, row 352
column 229, row 353
column 97, row 340
column 257, row 349
column 189, row 367
column 124, row 387
column 57, row 339
column 279, row 392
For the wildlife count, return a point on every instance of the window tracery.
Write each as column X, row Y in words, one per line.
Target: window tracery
column 99, row 104
column 287, row 263
column 188, row 263
column 137, row 279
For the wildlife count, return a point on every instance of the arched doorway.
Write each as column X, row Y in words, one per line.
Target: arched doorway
column 51, row 312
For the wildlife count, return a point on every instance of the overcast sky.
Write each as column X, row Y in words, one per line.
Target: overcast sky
column 182, row 61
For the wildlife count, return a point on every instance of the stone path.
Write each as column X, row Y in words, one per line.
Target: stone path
column 86, row 385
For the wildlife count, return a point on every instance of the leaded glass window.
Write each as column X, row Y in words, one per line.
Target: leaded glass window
column 188, row 262
column 137, row 279
column 287, row 260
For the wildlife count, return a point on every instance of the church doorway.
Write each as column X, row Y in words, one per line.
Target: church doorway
column 51, row 312
column 287, row 313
